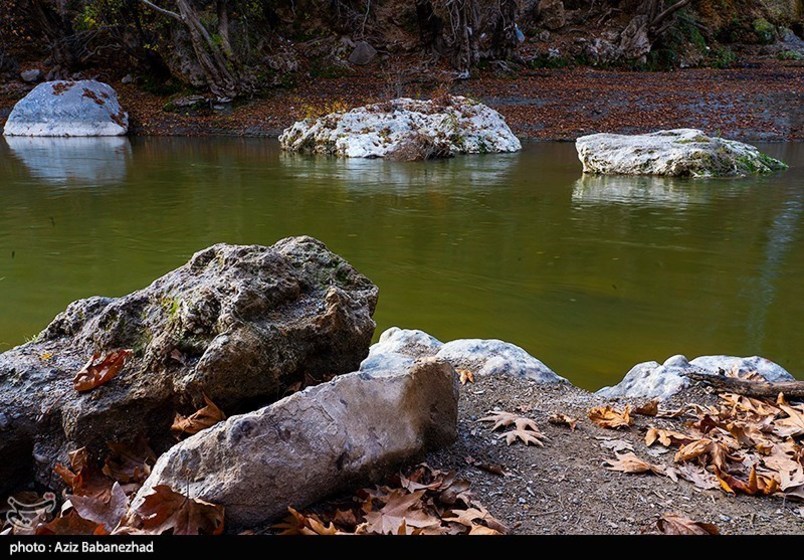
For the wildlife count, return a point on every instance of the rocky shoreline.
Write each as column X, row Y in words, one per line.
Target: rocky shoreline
column 759, row 102
column 271, row 335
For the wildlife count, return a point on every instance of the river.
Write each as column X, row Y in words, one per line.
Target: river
column 589, row 274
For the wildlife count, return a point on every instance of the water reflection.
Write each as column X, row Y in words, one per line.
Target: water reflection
column 359, row 173
column 73, row 161
column 642, row 190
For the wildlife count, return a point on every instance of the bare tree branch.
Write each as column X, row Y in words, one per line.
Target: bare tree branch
column 168, row 13
column 669, row 12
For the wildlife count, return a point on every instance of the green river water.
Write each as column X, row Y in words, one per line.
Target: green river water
column 591, row 275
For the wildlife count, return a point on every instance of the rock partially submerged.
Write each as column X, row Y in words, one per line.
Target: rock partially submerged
column 68, row 108
column 447, row 126
column 239, row 324
column 313, row 443
column 662, row 381
column 682, row 152
column 400, row 347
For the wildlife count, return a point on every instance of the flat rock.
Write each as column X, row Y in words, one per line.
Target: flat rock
column 239, row 324
column 662, row 381
column 68, row 108
column 398, row 348
column 683, row 152
column 453, row 125
column 352, row 430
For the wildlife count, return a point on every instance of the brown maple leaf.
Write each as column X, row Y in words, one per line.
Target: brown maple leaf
column 299, row 524
column 82, row 477
column 500, row 418
column 756, row 483
column 699, row 476
column 675, row 524
column 129, row 463
column 470, row 516
column 71, row 524
column 630, row 463
column 106, row 509
column 792, row 426
column 525, row 430
column 667, row 438
column 199, row 420
column 611, row 418
column 465, row 376
column 100, row 370
column 559, row 419
column 650, row 408
column 709, row 451
column 166, row 511
column 400, row 507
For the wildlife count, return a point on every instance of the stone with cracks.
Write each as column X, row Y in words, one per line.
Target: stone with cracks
column 454, row 125
column 662, row 381
column 68, row 108
column 683, row 152
column 331, row 437
column 239, row 324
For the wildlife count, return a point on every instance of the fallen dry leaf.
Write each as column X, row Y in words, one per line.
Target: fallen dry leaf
column 400, row 507
column 631, row 464
column 166, row 511
column 129, row 463
column 611, row 418
column 699, row 476
column 710, row 451
column 299, row 524
column 616, row 445
column 468, row 517
column 668, row 438
column 199, row 420
column 650, row 408
column 559, row 419
column 71, row 524
column 100, row 370
column 501, row 419
column 674, row 524
column 756, row 484
column 792, row 426
column 465, row 376
column 107, row 509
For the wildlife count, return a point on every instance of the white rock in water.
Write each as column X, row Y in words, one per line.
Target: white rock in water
column 399, row 348
column 681, row 152
column 68, row 108
column 662, row 381
column 459, row 125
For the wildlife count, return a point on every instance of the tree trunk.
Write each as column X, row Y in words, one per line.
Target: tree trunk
column 223, row 27
column 790, row 389
column 220, row 70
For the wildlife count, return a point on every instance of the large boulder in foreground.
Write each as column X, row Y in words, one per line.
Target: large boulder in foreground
column 662, row 381
column 68, row 108
column 683, row 152
column 398, row 348
column 311, row 444
column 404, row 129
column 239, row 324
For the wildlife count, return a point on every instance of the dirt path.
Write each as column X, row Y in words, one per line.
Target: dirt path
column 564, row 488
column 761, row 102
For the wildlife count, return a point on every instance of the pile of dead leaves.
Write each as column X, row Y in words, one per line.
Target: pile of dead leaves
column 741, row 445
column 421, row 501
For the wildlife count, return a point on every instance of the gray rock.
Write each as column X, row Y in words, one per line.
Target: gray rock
column 31, row 76
column 324, row 439
column 237, row 323
column 362, row 54
column 127, row 79
column 662, row 381
column 398, row 348
column 771, row 371
column 495, row 357
column 552, row 14
column 680, row 152
column 68, row 108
